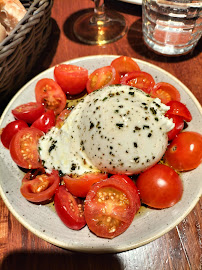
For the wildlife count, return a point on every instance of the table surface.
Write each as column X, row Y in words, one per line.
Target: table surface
column 178, row 249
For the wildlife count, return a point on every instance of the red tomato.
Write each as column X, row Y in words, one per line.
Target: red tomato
column 179, row 125
column 102, row 77
column 80, row 186
column 10, row 130
column 124, row 64
column 40, row 187
column 70, row 209
column 49, row 93
column 24, row 148
column 61, row 118
column 28, row 112
column 45, row 122
column 72, row 79
column 159, row 187
column 185, row 151
column 178, row 108
column 139, row 79
column 165, row 91
column 111, row 205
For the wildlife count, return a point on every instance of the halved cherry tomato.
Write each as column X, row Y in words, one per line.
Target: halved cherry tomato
column 45, row 122
column 72, row 79
column 102, row 77
column 159, row 187
column 165, row 91
column 139, row 79
column 179, row 125
column 124, row 64
column 28, row 112
column 70, row 209
column 79, row 186
column 111, row 205
column 185, row 151
column 61, row 117
column 24, row 148
column 49, row 93
column 40, row 187
column 10, row 130
column 180, row 109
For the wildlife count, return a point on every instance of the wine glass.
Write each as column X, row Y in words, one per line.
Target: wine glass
column 100, row 26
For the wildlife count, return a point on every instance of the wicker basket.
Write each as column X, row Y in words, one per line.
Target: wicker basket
column 20, row 50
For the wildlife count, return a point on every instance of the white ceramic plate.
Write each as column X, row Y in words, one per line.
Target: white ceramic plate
column 137, row 2
column 147, row 225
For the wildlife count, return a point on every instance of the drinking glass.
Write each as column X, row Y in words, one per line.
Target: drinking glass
column 100, row 26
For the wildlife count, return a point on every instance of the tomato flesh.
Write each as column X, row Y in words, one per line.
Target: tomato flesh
column 124, row 64
column 179, row 109
column 179, row 125
column 45, row 122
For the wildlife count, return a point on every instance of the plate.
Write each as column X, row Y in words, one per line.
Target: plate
column 137, row 2
column 147, row 225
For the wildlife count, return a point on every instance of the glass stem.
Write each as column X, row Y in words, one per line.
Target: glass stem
column 99, row 11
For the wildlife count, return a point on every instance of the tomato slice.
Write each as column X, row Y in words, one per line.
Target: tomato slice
column 39, row 187
column 110, row 206
column 165, row 92
column 28, row 112
column 10, row 130
column 139, row 79
column 102, row 77
column 45, row 122
column 49, row 93
column 179, row 125
column 79, row 186
column 124, row 64
column 184, row 153
column 70, row 209
column 72, row 79
column 159, row 187
column 61, row 117
column 24, row 148
column 179, row 109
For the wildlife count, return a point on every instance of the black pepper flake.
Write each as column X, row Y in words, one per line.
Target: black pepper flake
column 137, row 128
column 116, row 111
column 73, row 166
column 136, row 159
column 91, row 125
column 135, row 144
column 131, row 93
column 61, row 174
column 119, row 125
column 120, row 106
column 53, row 145
column 149, row 135
column 156, row 119
column 145, row 126
column 153, row 110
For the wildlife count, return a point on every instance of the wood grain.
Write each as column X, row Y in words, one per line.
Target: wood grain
column 178, row 249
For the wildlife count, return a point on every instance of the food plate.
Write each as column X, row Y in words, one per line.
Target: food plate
column 148, row 224
column 137, row 2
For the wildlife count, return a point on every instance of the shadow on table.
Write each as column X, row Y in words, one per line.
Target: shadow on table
column 60, row 261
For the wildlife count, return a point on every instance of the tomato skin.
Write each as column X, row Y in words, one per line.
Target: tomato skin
column 61, row 117
column 69, row 209
column 10, row 130
column 45, row 122
column 50, row 94
column 124, row 64
column 111, row 205
column 80, row 186
column 72, row 79
column 23, row 148
column 139, row 79
column 159, row 187
column 179, row 125
column 165, row 91
column 102, row 77
column 179, row 109
column 184, row 153
column 40, row 188
column 28, row 112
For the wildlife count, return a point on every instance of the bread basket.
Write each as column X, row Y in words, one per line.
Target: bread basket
column 20, row 50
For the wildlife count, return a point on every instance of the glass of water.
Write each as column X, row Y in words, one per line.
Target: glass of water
column 172, row 27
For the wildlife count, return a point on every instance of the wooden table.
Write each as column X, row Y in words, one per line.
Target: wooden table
column 178, row 249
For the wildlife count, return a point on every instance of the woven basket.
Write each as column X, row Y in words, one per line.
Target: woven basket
column 20, row 50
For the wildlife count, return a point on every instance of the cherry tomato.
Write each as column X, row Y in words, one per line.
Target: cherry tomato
column 102, row 77
column 139, row 79
column 179, row 125
column 165, row 91
column 23, row 148
column 80, row 186
column 10, row 130
column 72, row 79
column 28, row 112
column 124, row 64
column 111, row 205
column 159, row 187
column 185, row 151
column 49, row 93
column 39, row 187
column 45, row 122
column 61, row 118
column 70, row 209
column 179, row 109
